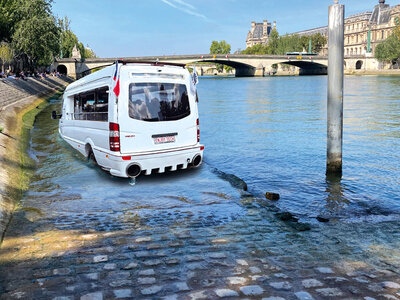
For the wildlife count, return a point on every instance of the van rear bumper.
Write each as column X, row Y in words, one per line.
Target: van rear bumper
column 155, row 162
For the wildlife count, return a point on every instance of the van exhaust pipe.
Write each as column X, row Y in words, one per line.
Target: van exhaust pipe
column 133, row 170
column 196, row 160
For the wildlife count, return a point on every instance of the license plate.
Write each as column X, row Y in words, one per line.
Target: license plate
column 164, row 140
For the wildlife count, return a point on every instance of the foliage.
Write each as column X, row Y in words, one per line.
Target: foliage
column 396, row 30
column 10, row 15
column 34, row 34
column 318, row 41
column 389, row 50
column 273, row 42
column 256, row 50
column 280, row 45
column 38, row 39
column 69, row 40
column 89, row 53
column 221, row 47
column 6, row 54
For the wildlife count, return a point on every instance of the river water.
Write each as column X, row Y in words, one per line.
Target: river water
column 270, row 132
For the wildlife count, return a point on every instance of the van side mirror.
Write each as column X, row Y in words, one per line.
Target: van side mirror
column 54, row 115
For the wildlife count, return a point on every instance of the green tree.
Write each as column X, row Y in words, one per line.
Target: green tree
column 396, row 30
column 36, row 35
column 389, row 50
column 89, row 53
column 10, row 15
column 318, row 41
column 68, row 39
column 38, row 39
column 273, row 42
column 280, row 45
column 6, row 54
column 258, row 49
column 289, row 43
column 221, row 47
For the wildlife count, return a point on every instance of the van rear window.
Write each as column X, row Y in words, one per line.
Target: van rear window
column 158, row 101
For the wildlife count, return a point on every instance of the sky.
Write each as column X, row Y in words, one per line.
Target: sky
column 131, row 28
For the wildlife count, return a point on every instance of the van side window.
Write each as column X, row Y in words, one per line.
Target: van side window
column 88, row 101
column 101, row 108
column 92, row 105
column 77, row 108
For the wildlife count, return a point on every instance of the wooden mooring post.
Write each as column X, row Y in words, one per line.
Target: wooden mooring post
column 335, row 89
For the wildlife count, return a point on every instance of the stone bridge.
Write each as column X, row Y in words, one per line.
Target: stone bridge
column 245, row 65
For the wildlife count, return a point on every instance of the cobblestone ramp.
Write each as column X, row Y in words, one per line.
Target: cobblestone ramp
column 168, row 257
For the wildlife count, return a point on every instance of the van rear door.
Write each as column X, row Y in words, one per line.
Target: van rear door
column 157, row 116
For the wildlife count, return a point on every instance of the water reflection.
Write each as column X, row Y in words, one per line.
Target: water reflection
column 336, row 200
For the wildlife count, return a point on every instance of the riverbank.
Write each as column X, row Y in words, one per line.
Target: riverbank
column 16, row 121
column 372, row 72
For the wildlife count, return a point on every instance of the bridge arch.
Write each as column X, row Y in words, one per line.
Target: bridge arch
column 307, row 67
column 242, row 69
column 62, row 69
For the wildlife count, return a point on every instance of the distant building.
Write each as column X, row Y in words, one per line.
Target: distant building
column 379, row 24
column 259, row 33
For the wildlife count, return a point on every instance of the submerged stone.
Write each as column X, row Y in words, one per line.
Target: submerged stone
column 221, row 293
column 251, row 290
column 272, row 196
column 390, row 285
column 235, row 181
column 285, row 216
column 304, row 296
column 322, row 219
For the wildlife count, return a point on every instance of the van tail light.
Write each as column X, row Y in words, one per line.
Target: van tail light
column 114, row 137
column 198, row 130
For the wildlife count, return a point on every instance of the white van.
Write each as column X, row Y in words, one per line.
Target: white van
column 151, row 126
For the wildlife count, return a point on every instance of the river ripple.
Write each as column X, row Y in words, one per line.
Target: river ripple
column 272, row 133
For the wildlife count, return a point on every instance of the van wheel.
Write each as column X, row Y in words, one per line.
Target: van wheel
column 90, row 155
column 92, row 158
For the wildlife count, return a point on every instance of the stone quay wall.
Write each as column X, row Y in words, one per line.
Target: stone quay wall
column 17, row 97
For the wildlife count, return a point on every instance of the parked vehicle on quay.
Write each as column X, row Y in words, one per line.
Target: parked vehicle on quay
column 134, row 118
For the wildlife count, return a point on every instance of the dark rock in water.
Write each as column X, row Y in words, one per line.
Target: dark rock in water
column 272, row 196
column 286, row 216
column 293, row 221
column 322, row 219
column 246, row 195
column 302, row 226
column 235, row 181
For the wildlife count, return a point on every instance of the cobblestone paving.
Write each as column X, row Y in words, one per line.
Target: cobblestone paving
column 255, row 256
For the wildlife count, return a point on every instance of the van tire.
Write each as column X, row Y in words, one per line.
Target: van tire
column 92, row 158
column 90, row 154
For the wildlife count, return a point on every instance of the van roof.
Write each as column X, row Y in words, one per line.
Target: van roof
column 152, row 63
column 109, row 71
